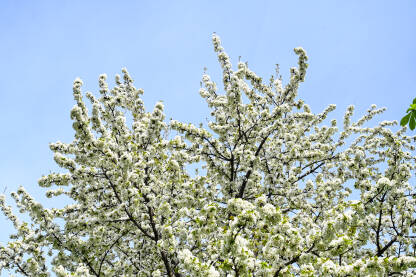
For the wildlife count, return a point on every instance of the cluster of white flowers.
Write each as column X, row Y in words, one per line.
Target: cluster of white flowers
column 274, row 198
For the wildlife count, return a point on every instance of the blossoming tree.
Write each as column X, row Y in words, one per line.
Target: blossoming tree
column 278, row 193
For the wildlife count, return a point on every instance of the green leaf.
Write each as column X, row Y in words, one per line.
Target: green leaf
column 414, row 101
column 412, row 122
column 405, row 120
column 413, row 106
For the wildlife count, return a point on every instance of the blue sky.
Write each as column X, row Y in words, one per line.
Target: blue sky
column 360, row 52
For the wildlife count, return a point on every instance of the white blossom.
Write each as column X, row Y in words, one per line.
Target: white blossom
column 279, row 190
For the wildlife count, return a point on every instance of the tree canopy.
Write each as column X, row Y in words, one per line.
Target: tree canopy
column 279, row 190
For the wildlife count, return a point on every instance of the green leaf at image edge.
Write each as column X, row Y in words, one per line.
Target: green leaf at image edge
column 412, row 122
column 405, row 120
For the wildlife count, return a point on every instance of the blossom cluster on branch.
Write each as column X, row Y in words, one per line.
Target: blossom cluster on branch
column 279, row 193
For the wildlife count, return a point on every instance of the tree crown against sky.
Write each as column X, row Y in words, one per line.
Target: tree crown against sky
column 278, row 192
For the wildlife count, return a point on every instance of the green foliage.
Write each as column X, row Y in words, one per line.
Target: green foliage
column 410, row 117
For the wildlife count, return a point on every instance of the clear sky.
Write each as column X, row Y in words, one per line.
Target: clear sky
column 360, row 52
